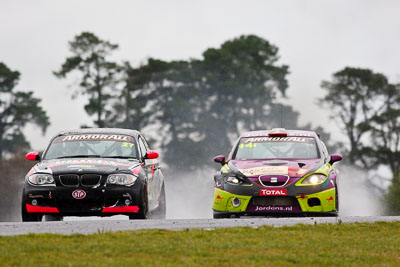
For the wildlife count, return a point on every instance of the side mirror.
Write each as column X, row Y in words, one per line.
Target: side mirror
column 151, row 154
column 335, row 158
column 220, row 159
column 34, row 155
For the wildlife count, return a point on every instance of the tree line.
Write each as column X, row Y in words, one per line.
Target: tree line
column 197, row 107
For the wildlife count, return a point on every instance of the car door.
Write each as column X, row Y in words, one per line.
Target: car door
column 157, row 176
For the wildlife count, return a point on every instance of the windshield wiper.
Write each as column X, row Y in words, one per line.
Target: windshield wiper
column 119, row 157
column 79, row 156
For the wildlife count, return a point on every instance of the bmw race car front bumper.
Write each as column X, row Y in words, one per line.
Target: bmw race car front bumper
column 100, row 201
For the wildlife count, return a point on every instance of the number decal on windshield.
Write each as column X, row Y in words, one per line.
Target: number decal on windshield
column 125, row 144
column 248, row 145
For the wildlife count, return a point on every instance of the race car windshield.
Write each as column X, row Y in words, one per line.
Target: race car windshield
column 276, row 147
column 92, row 145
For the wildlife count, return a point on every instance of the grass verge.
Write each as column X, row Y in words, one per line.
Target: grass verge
column 342, row 244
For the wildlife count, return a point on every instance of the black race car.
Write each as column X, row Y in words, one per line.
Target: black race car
column 94, row 172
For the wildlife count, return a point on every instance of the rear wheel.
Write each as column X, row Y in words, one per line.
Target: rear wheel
column 143, row 206
column 161, row 210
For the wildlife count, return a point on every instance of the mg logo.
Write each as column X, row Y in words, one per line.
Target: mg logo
column 79, row 194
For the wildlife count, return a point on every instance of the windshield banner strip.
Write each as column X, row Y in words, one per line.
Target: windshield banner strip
column 78, row 137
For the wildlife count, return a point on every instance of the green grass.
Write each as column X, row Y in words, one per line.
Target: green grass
column 342, row 244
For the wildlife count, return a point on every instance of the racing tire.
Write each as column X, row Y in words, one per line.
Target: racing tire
column 28, row 217
column 161, row 211
column 217, row 215
column 143, row 206
column 52, row 217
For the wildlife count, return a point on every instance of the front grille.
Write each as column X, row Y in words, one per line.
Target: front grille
column 69, row 179
column 273, row 180
column 273, row 184
column 75, row 180
column 90, row 179
column 274, row 200
column 80, row 205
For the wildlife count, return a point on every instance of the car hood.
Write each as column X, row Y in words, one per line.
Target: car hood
column 292, row 167
column 82, row 165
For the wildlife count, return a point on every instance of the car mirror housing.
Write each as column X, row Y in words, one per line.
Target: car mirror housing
column 220, row 159
column 335, row 158
column 34, row 155
column 151, row 154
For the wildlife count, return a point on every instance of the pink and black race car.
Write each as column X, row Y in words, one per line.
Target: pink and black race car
column 277, row 172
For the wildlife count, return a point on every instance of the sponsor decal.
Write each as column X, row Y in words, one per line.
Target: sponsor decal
column 80, row 166
column 302, row 171
column 330, row 199
column 79, row 194
column 283, row 170
column 110, row 137
column 76, row 162
column 273, row 208
column 218, row 199
column 272, row 192
column 265, row 133
column 276, row 139
column 35, row 196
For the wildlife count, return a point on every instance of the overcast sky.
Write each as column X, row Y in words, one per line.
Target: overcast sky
column 315, row 38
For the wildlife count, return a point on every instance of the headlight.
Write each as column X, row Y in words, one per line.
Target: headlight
column 233, row 180
column 41, row 179
column 314, row 179
column 121, row 179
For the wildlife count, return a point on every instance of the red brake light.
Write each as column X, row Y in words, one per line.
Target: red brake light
column 277, row 134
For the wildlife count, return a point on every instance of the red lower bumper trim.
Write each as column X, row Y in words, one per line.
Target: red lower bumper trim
column 125, row 209
column 37, row 209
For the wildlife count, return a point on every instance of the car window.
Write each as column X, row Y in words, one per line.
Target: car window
column 100, row 145
column 276, row 147
column 142, row 146
column 146, row 144
column 324, row 150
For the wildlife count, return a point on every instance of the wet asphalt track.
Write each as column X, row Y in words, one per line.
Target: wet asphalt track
column 109, row 225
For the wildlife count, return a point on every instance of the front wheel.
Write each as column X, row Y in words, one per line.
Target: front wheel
column 53, row 217
column 143, row 206
column 217, row 215
column 29, row 217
